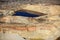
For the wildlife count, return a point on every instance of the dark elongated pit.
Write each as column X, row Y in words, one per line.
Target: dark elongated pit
column 28, row 13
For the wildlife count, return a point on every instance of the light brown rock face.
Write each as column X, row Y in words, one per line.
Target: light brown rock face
column 49, row 9
column 17, row 19
column 31, row 28
column 44, row 27
column 43, row 31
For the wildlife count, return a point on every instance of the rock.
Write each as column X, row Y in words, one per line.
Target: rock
column 18, row 19
column 10, row 36
column 7, row 12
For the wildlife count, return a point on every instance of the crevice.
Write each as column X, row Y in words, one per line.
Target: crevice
column 28, row 13
column 58, row 38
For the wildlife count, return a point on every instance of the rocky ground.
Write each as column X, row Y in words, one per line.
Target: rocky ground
column 45, row 27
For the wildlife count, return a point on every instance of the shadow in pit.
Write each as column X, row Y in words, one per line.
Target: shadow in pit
column 28, row 13
column 58, row 38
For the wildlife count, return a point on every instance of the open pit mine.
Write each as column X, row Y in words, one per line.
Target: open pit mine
column 29, row 19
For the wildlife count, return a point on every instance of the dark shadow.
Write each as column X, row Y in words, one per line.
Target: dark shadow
column 25, row 14
column 58, row 38
column 28, row 13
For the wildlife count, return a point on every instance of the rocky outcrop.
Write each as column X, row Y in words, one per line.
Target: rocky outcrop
column 31, row 28
column 49, row 10
column 45, row 27
column 30, row 31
